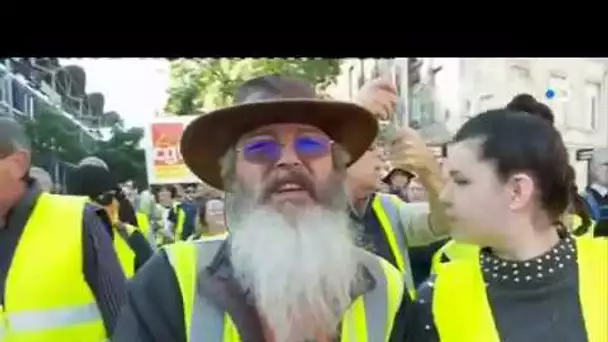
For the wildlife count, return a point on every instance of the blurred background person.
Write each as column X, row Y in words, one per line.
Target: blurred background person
column 415, row 192
column 398, row 181
column 43, row 178
column 100, row 187
column 596, row 194
column 211, row 222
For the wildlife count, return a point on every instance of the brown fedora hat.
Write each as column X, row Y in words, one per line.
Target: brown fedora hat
column 270, row 100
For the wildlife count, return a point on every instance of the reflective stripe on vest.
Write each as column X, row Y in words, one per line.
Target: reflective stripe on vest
column 453, row 250
column 50, row 300
column 125, row 253
column 477, row 325
column 386, row 208
column 29, row 321
column 369, row 319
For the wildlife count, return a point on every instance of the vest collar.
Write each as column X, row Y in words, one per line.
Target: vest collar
column 17, row 217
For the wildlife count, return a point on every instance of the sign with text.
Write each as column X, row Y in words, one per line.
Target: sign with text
column 165, row 162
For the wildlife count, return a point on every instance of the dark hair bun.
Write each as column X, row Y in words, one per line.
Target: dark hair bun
column 527, row 103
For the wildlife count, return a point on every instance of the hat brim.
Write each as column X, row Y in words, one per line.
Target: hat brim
column 207, row 138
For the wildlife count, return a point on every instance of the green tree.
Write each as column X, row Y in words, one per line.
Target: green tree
column 123, row 154
column 211, row 82
column 54, row 135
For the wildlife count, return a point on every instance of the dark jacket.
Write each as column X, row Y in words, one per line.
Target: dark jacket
column 154, row 310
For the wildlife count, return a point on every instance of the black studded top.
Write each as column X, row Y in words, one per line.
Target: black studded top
column 531, row 300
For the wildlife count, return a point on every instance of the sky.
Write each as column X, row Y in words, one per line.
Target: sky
column 135, row 88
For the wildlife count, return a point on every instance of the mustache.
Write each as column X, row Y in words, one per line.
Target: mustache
column 294, row 176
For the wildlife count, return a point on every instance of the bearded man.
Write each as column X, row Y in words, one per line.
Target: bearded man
column 290, row 270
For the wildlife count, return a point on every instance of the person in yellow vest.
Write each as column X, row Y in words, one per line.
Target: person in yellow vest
column 177, row 223
column 98, row 184
column 290, row 269
column 75, row 287
column 520, row 103
column 211, row 221
column 389, row 225
column 508, row 185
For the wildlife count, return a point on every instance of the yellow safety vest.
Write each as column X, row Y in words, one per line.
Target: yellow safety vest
column 577, row 222
column 369, row 318
column 386, row 208
column 464, row 277
column 453, row 250
column 50, row 300
column 180, row 219
column 143, row 224
column 126, row 255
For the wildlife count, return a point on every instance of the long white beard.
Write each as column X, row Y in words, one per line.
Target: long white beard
column 298, row 271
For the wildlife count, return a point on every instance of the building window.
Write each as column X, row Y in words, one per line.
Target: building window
column 3, row 97
column 351, row 82
column 559, row 103
column 361, row 80
column 519, row 80
column 592, row 105
column 398, row 78
column 375, row 70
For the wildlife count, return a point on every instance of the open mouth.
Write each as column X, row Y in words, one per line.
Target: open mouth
column 289, row 187
column 290, row 191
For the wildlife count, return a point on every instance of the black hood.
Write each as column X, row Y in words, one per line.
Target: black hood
column 91, row 181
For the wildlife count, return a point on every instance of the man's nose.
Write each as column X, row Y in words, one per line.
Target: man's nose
column 289, row 157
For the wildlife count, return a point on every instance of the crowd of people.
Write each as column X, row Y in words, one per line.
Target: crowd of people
column 308, row 227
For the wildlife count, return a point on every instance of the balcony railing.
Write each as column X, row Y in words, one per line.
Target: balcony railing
column 18, row 97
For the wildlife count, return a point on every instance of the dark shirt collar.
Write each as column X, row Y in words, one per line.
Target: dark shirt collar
column 19, row 214
column 357, row 214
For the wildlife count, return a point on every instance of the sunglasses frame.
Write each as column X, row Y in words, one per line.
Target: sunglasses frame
column 328, row 141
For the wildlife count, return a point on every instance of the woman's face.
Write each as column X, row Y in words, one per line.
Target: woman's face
column 476, row 200
column 164, row 197
column 214, row 214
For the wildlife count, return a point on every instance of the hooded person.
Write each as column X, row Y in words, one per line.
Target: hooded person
column 97, row 183
column 290, row 269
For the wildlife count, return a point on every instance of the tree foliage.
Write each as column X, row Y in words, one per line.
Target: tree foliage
column 55, row 137
column 211, row 83
column 123, row 155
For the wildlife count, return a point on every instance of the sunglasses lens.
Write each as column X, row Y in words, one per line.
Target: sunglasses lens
column 262, row 151
column 269, row 151
column 312, row 147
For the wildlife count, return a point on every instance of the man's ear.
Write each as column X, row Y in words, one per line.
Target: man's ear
column 19, row 164
column 520, row 187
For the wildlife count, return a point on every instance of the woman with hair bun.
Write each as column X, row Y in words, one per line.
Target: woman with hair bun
column 508, row 183
column 577, row 220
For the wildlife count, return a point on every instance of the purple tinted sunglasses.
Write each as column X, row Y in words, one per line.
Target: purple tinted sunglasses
column 268, row 150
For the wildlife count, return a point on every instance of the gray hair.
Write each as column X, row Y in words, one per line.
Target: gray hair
column 341, row 159
column 13, row 137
